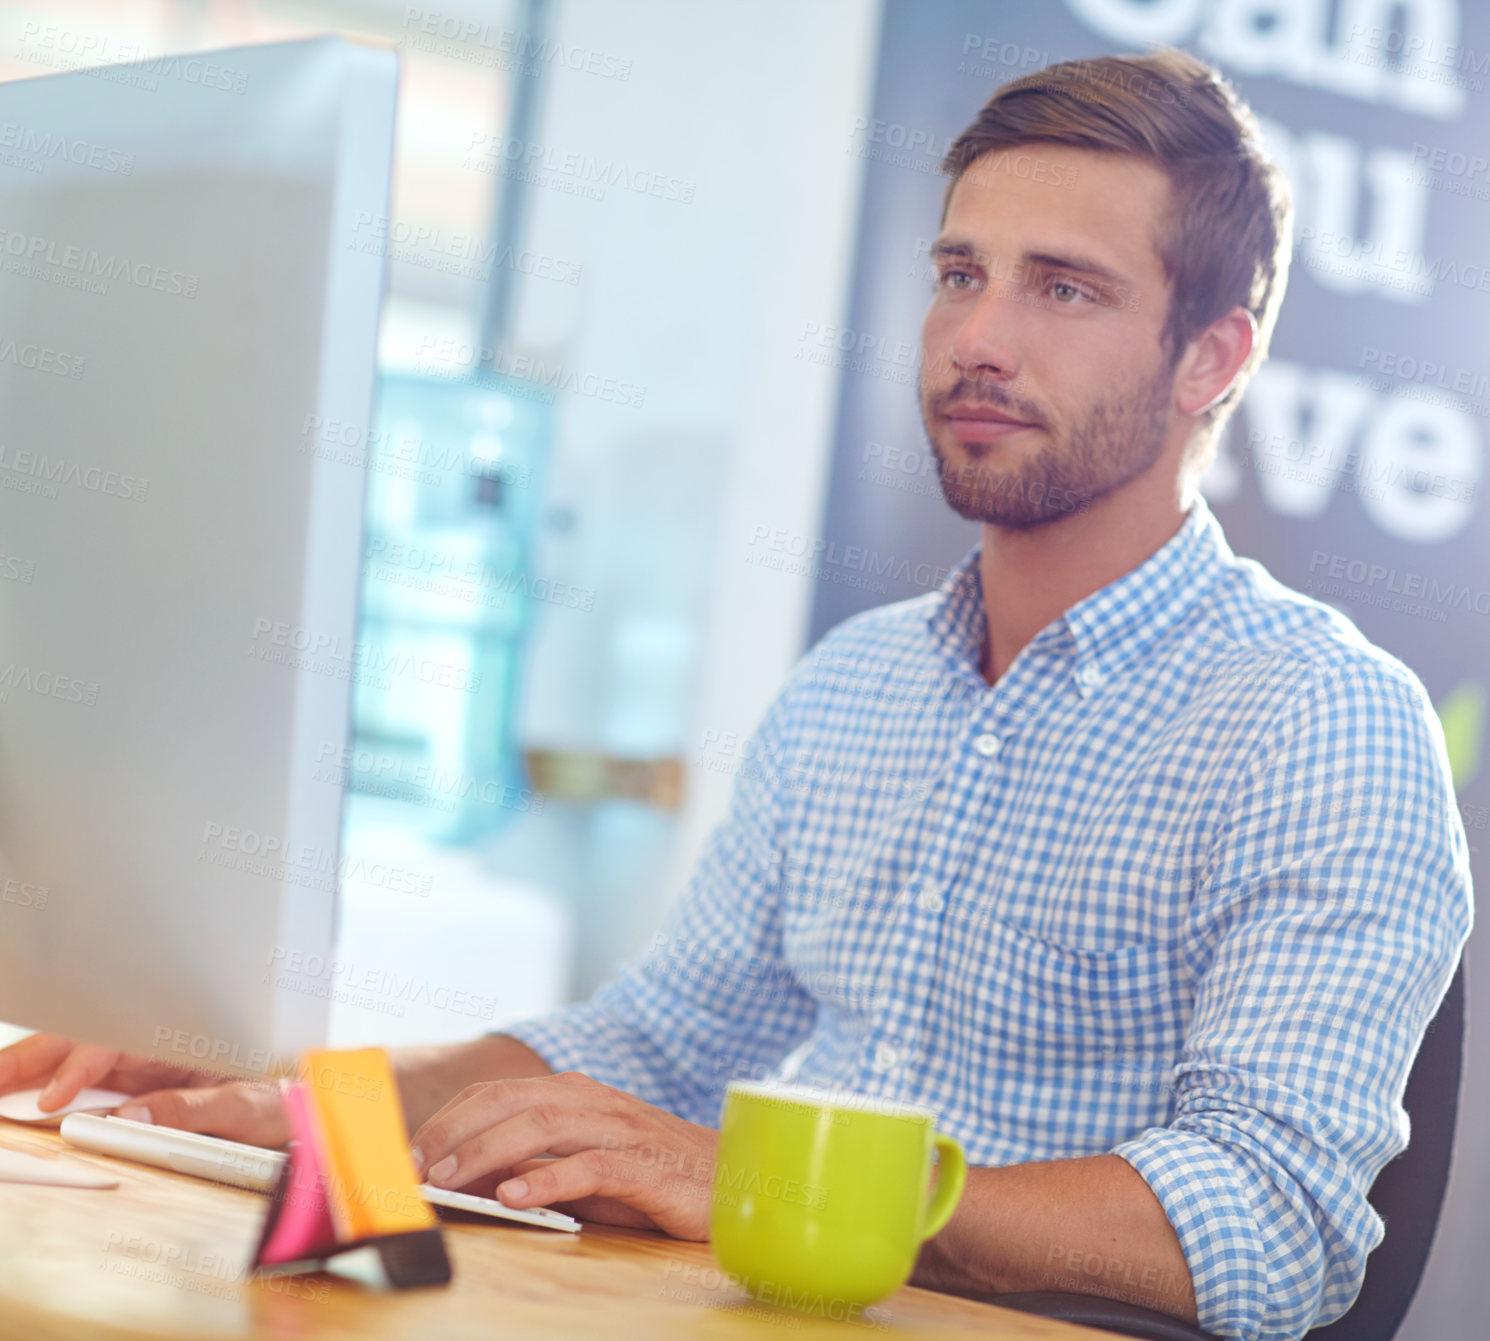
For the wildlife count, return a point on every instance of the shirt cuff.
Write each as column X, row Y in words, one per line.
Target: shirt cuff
column 1216, row 1223
column 558, row 1038
column 589, row 1038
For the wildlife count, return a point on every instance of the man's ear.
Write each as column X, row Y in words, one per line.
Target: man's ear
column 1212, row 361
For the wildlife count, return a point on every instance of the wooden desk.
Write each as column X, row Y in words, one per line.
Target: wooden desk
column 163, row 1255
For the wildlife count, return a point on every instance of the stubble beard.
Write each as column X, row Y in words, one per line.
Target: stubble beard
column 1117, row 440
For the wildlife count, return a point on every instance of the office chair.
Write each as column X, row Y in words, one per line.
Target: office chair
column 1407, row 1195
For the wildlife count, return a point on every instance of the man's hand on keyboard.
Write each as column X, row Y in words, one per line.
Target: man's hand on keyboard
column 612, row 1157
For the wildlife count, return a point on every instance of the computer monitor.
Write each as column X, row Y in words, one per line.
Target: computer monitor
column 183, row 305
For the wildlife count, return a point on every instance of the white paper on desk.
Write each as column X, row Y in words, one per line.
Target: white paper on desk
column 16, row 1167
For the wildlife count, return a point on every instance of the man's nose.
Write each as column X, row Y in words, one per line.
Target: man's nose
column 988, row 341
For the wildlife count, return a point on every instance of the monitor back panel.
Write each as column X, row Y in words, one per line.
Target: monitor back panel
column 180, row 305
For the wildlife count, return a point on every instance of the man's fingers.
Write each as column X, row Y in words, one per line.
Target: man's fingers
column 587, row 1185
column 85, row 1065
column 603, row 1185
column 63, row 1067
column 580, row 1175
column 542, row 1129
column 135, row 1075
column 239, row 1111
column 33, row 1058
column 478, row 1107
column 601, row 1210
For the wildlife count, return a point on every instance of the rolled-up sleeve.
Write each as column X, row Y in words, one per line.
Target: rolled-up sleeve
column 713, row 998
column 1334, row 908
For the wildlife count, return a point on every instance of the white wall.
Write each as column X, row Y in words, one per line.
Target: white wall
column 750, row 103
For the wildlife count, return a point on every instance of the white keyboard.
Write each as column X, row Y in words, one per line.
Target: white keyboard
column 251, row 1166
column 463, row 1201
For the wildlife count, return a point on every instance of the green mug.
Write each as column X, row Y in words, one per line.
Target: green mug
column 821, row 1200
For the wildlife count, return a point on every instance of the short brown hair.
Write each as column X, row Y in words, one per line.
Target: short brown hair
column 1227, row 240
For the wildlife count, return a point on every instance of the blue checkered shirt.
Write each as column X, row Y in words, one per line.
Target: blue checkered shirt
column 1186, row 885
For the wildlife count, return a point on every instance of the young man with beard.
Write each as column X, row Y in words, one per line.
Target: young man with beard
column 1175, row 880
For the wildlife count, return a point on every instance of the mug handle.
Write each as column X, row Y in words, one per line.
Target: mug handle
column 950, row 1177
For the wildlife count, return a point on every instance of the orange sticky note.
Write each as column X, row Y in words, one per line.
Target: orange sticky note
column 371, row 1183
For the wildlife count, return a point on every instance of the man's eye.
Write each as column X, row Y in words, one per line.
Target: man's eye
column 1063, row 291
column 957, row 279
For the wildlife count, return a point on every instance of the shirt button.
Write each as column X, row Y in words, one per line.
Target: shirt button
column 987, row 745
column 930, row 900
column 886, row 1058
column 1089, row 676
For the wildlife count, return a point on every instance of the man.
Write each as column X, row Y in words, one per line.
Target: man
column 1171, row 879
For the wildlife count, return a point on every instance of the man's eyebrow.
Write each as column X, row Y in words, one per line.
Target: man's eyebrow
column 954, row 249
column 944, row 250
column 1051, row 261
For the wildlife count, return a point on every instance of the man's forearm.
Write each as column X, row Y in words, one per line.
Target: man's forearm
column 429, row 1077
column 1082, row 1226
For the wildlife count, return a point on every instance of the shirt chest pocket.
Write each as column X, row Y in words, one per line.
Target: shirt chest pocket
column 1108, row 895
column 1028, row 998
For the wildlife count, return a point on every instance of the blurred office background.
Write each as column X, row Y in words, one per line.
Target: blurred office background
column 609, row 225
column 647, row 422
